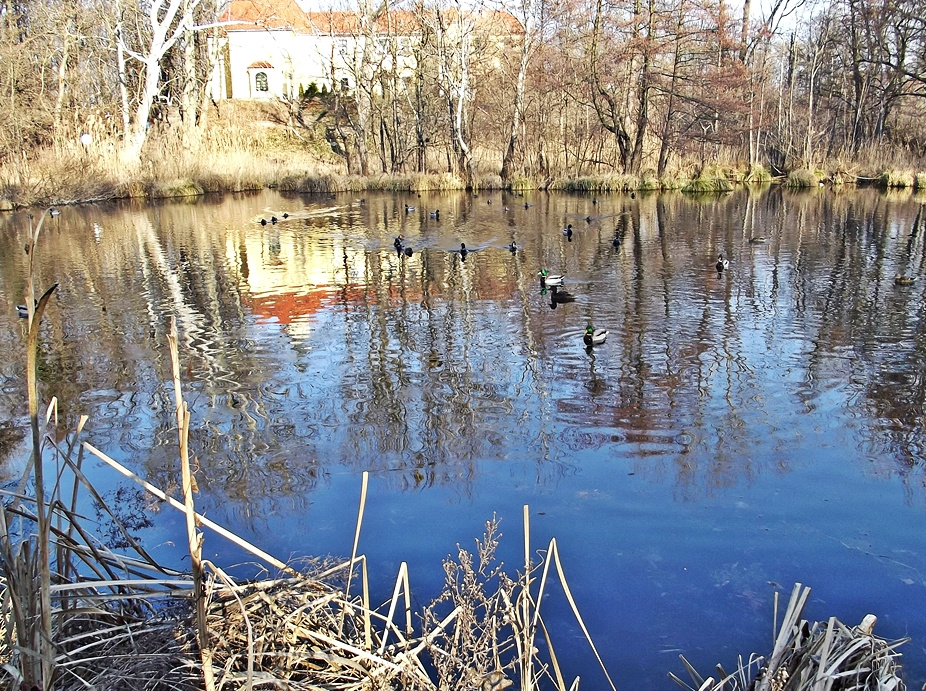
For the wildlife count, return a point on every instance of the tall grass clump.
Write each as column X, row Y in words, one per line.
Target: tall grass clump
column 801, row 178
column 758, row 174
column 706, row 185
column 897, row 179
column 598, row 183
column 811, row 657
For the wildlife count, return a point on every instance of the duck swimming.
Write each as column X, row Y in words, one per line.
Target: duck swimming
column 512, row 247
column 435, row 214
column 548, row 279
column 901, row 280
column 594, row 336
column 409, row 209
column 721, row 263
column 567, row 231
column 23, row 311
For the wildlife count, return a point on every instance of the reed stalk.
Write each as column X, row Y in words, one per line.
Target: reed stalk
column 43, row 640
column 194, row 536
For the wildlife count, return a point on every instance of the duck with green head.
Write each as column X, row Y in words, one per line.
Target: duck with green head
column 548, row 279
column 594, row 336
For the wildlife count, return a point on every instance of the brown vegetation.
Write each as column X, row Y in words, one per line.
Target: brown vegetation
column 103, row 99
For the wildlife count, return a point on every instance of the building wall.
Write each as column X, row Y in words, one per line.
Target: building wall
column 297, row 59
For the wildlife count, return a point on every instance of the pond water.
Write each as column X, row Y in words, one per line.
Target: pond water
column 735, row 434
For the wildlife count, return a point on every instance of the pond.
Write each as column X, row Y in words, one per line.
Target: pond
column 736, row 433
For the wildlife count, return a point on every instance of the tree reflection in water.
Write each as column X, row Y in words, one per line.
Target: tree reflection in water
column 313, row 348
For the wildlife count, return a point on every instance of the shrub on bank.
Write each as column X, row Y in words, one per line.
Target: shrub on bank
column 802, row 178
column 897, row 178
column 703, row 185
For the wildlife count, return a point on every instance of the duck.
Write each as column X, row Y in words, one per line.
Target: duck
column 758, row 240
column 407, row 250
column 409, row 209
column 902, row 280
column 435, row 214
column 263, row 221
column 274, row 219
column 594, row 336
column 594, row 200
column 567, row 231
column 721, row 263
column 526, row 205
column 512, row 247
column 286, row 215
column 633, row 195
column 463, row 250
column 23, row 311
column 397, row 243
column 548, row 279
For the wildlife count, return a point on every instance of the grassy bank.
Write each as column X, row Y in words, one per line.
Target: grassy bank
column 251, row 146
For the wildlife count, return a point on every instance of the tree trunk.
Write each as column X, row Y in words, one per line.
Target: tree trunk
column 190, row 103
column 508, row 160
column 744, row 37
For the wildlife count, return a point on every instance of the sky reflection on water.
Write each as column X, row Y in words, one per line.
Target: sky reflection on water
column 735, row 434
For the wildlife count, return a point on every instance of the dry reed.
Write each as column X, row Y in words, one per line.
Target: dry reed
column 826, row 656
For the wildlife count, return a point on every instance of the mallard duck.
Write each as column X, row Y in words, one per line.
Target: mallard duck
column 567, row 231
column 901, row 280
column 409, row 209
column 721, row 263
column 594, row 336
column 548, row 279
column 526, row 205
column 463, row 251
column 512, row 247
column 263, row 221
column 23, row 311
column 435, row 214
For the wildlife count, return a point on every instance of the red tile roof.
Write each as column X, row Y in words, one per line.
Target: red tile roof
column 258, row 15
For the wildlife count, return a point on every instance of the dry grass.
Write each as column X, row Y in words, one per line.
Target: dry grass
column 802, row 179
column 812, row 657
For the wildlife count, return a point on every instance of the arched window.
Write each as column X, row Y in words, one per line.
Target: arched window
column 260, row 82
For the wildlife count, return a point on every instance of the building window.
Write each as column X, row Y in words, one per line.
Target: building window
column 260, row 82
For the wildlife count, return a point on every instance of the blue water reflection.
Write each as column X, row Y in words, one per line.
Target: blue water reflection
column 735, row 434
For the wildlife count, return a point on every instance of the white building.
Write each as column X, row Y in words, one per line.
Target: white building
column 272, row 48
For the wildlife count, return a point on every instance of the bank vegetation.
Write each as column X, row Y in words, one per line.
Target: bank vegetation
column 102, row 99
